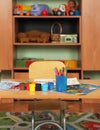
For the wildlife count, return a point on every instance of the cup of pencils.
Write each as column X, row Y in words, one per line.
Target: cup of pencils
column 61, row 80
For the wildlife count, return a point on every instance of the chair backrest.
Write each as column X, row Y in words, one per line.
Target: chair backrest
column 44, row 69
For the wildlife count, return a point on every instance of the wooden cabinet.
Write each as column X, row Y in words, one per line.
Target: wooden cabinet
column 91, row 35
column 11, row 24
column 6, row 35
column 87, row 26
column 70, row 25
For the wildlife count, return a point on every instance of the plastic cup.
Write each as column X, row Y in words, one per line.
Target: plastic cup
column 51, row 86
column 44, row 87
column 32, row 87
column 38, row 87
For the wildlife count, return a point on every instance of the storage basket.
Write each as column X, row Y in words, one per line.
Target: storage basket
column 55, row 37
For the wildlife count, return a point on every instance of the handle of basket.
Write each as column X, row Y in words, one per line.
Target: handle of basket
column 52, row 27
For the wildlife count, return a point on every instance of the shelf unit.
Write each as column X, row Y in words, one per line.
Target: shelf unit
column 70, row 25
column 87, row 50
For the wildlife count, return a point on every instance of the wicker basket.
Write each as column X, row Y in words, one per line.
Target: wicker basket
column 54, row 36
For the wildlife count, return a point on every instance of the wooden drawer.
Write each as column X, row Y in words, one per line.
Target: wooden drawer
column 21, row 75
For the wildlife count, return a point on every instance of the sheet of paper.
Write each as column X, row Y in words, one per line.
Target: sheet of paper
column 72, row 81
column 44, row 80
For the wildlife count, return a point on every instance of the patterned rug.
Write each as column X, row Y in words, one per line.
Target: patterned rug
column 75, row 121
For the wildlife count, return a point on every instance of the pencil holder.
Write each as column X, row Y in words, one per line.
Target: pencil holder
column 61, row 83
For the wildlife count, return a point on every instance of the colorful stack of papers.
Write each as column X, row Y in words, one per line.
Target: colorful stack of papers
column 81, row 89
column 7, row 84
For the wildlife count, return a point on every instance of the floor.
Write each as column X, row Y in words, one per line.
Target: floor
column 75, row 121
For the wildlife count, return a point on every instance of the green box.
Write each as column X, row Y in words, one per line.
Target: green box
column 20, row 63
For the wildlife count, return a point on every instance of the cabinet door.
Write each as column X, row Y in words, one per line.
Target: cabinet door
column 5, row 34
column 91, row 34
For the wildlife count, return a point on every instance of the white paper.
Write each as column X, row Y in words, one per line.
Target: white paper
column 70, row 81
column 44, row 80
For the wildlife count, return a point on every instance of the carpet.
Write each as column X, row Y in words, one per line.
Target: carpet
column 75, row 121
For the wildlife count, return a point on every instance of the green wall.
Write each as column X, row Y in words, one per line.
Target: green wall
column 48, row 53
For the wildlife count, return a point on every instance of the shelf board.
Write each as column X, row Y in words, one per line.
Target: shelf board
column 47, row 44
column 18, row 16
column 74, row 69
column 25, row 68
column 20, row 68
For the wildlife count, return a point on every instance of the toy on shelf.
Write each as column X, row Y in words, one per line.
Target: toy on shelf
column 22, row 10
column 34, row 36
column 67, row 9
column 63, row 8
column 72, row 5
column 73, row 8
column 37, row 9
column 61, row 11
column 22, row 37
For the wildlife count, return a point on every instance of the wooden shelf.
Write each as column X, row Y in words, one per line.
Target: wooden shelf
column 18, row 16
column 20, row 68
column 25, row 68
column 47, row 44
column 74, row 68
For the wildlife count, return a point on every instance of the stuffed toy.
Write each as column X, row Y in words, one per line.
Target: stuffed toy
column 33, row 36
